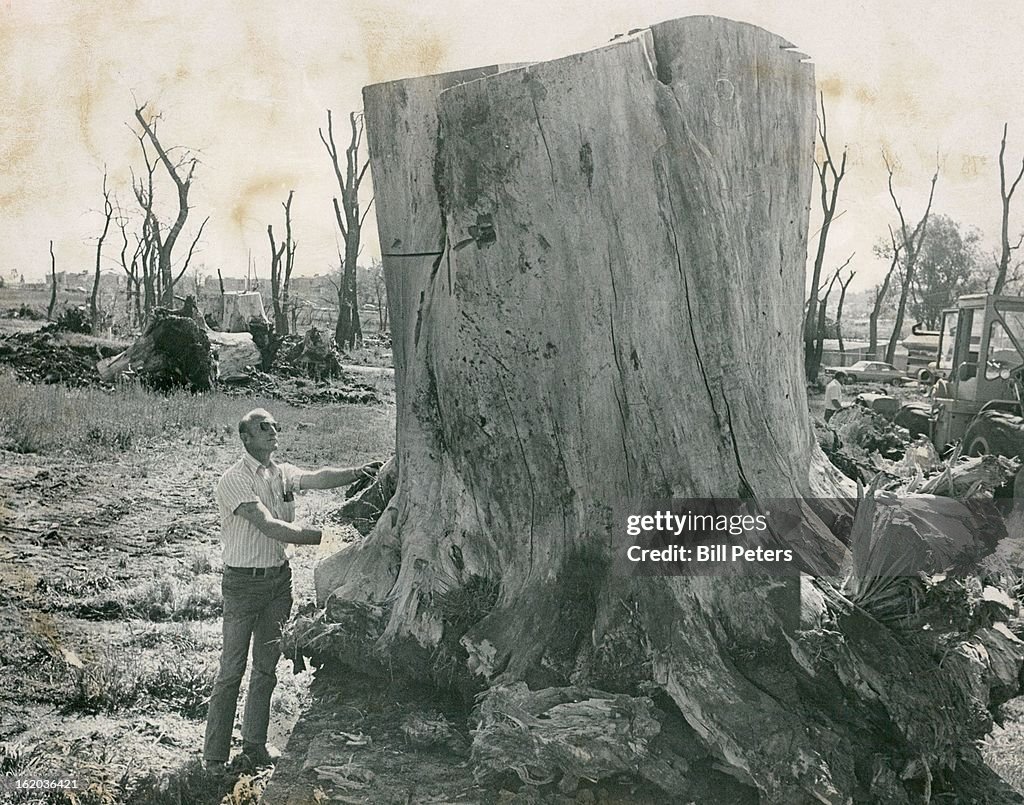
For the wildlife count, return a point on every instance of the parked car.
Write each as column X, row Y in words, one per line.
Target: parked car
column 867, row 372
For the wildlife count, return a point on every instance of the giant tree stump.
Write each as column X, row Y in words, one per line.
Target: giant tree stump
column 595, row 271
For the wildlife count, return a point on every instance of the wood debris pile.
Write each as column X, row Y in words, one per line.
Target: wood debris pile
column 311, row 355
column 299, row 391
column 564, row 735
column 45, row 357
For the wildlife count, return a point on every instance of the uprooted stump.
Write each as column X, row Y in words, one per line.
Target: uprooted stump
column 583, row 257
column 172, row 352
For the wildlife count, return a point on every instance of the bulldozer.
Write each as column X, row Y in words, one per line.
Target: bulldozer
column 980, row 364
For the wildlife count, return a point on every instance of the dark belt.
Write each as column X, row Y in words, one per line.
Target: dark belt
column 257, row 572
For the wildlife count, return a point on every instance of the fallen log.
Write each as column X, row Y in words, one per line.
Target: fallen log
column 236, row 354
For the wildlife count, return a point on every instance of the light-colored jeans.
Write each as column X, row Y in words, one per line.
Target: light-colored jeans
column 254, row 609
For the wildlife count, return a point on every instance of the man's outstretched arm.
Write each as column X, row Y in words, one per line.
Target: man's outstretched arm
column 331, row 477
column 279, row 530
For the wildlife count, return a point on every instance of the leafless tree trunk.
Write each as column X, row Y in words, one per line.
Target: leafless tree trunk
column 827, row 173
column 181, row 174
column 911, row 242
column 149, row 239
column 281, row 274
column 108, row 214
column 381, row 293
column 821, row 321
column 839, row 311
column 1002, row 267
column 880, row 292
column 53, row 285
column 350, row 222
column 131, row 270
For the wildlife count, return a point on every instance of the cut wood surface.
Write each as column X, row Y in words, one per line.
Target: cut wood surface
column 238, row 309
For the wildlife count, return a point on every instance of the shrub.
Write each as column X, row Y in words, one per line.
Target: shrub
column 181, row 685
column 74, row 320
column 111, row 682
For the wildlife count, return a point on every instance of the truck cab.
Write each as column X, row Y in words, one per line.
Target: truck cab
column 981, row 344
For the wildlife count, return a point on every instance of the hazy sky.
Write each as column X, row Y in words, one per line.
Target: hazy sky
column 246, row 84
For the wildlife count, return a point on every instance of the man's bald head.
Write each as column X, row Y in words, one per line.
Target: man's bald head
column 251, row 420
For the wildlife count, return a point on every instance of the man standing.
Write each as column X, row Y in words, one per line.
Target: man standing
column 256, row 498
column 833, row 398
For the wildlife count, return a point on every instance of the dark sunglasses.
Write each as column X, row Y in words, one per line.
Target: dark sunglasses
column 266, row 427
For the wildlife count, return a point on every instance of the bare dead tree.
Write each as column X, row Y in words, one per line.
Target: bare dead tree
column 133, row 282
column 350, row 222
column 191, row 251
column 282, row 261
column 829, row 179
column 839, row 309
column 149, row 239
column 380, row 291
column 880, row 292
column 821, row 322
column 108, row 214
column 53, row 285
column 180, row 173
column 911, row 242
column 1005, row 195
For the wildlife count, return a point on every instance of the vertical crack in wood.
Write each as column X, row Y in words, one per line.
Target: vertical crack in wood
column 622, row 374
column 568, row 481
column 622, row 436
column 522, row 452
column 686, row 294
column 544, row 139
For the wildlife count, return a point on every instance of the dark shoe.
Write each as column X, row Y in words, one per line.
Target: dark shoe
column 257, row 755
column 215, row 768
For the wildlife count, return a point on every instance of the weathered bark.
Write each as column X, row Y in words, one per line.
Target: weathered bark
column 595, row 267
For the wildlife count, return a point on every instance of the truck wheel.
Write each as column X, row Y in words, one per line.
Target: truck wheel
column 979, row 447
column 995, row 433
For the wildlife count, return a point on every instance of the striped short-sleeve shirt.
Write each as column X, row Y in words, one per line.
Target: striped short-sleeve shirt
column 248, row 481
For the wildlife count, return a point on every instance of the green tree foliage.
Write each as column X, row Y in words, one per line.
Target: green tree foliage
column 948, row 265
